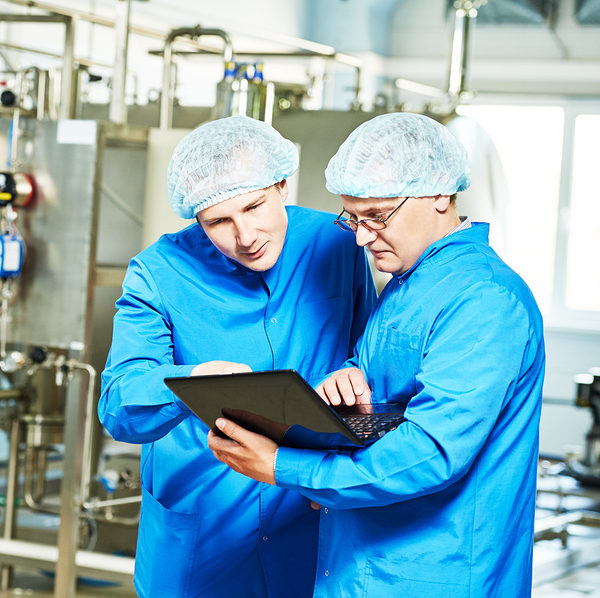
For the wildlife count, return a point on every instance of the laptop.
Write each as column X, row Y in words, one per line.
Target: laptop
column 258, row 399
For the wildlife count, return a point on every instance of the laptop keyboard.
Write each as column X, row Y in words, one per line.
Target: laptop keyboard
column 365, row 426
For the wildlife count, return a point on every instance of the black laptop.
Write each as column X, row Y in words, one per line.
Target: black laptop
column 284, row 397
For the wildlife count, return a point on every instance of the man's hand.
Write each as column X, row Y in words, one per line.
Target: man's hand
column 247, row 453
column 220, row 367
column 257, row 423
column 347, row 386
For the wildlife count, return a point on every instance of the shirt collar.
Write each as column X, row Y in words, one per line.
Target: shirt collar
column 474, row 232
column 465, row 222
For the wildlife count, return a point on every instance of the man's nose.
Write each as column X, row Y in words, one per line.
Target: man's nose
column 245, row 234
column 364, row 236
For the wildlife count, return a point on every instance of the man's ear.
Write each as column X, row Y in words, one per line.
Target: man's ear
column 442, row 203
column 284, row 190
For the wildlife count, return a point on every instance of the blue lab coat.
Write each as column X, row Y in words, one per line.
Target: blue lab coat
column 206, row 531
column 443, row 505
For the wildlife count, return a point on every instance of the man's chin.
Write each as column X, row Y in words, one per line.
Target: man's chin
column 384, row 265
column 265, row 262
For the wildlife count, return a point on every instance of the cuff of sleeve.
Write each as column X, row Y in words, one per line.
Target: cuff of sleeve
column 294, row 467
column 179, row 370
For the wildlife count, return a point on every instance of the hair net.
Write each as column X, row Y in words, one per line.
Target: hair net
column 224, row 158
column 399, row 155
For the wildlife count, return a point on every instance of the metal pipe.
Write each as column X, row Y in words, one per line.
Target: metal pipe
column 87, row 428
column 34, row 502
column 78, row 60
column 227, row 45
column 113, row 502
column 70, row 497
column 466, row 10
column 42, row 87
column 345, row 59
column 166, row 100
column 129, row 521
column 88, row 563
column 67, row 108
column 310, row 46
column 85, row 16
column 118, row 109
column 16, row 18
column 10, row 511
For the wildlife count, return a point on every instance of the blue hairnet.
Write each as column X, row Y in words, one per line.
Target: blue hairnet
column 399, row 155
column 224, row 158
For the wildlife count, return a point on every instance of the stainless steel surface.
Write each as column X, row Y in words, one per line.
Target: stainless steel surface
column 118, row 108
column 59, row 233
column 72, row 224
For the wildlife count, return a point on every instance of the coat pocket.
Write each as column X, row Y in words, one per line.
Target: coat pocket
column 389, row 577
column 166, row 547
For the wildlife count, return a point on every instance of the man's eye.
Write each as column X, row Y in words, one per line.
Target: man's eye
column 256, row 205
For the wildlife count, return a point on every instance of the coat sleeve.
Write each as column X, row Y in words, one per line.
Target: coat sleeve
column 469, row 367
column 135, row 405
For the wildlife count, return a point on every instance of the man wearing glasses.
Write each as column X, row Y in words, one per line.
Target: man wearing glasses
column 444, row 504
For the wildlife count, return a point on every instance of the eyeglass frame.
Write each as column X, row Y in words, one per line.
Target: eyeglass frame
column 365, row 221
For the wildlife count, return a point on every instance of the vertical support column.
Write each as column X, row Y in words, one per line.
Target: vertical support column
column 465, row 12
column 166, row 101
column 118, row 108
column 68, row 532
column 67, row 108
column 10, row 512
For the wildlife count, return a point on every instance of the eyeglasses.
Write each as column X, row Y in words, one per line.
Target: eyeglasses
column 372, row 224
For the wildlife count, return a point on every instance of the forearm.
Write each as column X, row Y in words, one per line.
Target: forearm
column 136, row 406
column 404, row 464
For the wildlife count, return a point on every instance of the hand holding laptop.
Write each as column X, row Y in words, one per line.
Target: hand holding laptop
column 257, row 423
column 250, row 454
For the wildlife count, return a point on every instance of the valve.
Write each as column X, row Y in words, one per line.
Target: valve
column 16, row 189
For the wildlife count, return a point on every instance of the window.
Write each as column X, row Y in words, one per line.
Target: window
column 549, row 157
column 583, row 254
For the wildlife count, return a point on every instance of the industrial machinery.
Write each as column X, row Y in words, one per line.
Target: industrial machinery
column 587, row 469
column 67, row 232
